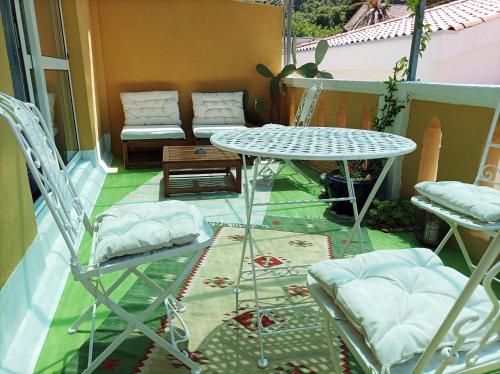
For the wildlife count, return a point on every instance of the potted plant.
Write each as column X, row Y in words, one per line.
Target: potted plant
column 363, row 174
column 308, row 70
column 366, row 172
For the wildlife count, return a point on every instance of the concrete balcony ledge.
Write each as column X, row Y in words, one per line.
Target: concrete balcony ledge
column 30, row 297
column 482, row 95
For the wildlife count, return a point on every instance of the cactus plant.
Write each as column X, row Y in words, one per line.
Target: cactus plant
column 308, row 70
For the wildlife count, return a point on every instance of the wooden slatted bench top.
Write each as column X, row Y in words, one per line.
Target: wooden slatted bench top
column 204, row 169
column 175, row 154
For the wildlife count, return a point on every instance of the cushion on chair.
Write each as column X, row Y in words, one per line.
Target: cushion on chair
column 152, row 132
column 151, row 108
column 205, row 131
column 224, row 108
column 480, row 202
column 397, row 299
column 137, row 228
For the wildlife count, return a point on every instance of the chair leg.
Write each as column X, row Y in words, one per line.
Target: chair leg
column 173, row 306
column 136, row 322
column 444, row 241
column 74, row 327
column 266, row 172
column 461, row 244
column 297, row 170
column 333, row 341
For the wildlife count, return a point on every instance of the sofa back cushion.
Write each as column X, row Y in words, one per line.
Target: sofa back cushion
column 224, row 108
column 151, row 108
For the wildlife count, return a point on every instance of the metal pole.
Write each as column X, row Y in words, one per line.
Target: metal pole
column 284, row 36
column 289, row 13
column 415, row 41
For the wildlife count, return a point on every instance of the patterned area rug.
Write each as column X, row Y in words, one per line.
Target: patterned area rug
column 222, row 339
column 216, row 207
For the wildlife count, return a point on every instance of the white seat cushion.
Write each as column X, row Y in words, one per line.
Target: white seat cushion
column 480, row 202
column 224, row 108
column 137, row 228
column 206, row 131
column 397, row 299
column 152, row 132
column 151, row 108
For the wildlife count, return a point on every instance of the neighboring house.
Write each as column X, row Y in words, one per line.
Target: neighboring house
column 361, row 18
column 464, row 46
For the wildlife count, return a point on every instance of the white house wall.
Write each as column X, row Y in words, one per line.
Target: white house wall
column 471, row 55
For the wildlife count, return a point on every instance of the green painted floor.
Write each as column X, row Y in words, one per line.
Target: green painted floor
column 61, row 348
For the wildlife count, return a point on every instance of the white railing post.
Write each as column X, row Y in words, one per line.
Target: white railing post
column 393, row 180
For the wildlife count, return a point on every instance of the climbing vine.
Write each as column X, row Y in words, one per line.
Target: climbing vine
column 392, row 104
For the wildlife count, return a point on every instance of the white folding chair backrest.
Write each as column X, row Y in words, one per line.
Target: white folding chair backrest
column 488, row 172
column 304, row 113
column 48, row 170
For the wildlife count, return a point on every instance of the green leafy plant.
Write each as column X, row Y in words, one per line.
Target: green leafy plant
column 391, row 216
column 393, row 105
column 253, row 113
column 308, row 70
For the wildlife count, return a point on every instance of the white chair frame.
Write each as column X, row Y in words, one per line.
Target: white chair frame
column 302, row 118
column 484, row 355
column 485, row 173
column 49, row 172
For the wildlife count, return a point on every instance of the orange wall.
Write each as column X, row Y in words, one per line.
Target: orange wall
column 355, row 104
column 464, row 130
column 189, row 46
column 87, row 77
column 18, row 228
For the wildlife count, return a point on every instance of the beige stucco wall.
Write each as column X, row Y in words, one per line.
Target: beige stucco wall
column 17, row 228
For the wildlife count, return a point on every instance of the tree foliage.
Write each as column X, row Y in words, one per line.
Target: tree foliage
column 320, row 18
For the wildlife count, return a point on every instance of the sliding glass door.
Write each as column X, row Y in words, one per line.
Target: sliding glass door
column 46, row 64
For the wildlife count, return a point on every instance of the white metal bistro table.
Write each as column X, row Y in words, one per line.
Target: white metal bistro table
column 303, row 143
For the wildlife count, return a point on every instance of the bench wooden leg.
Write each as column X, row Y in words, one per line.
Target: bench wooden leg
column 166, row 180
column 125, row 154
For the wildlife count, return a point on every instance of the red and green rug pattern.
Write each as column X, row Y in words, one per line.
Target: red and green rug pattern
column 222, row 339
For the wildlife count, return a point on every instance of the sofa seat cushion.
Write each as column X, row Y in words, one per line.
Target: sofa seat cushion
column 480, row 202
column 152, row 132
column 138, row 228
column 397, row 299
column 205, row 131
column 151, row 108
column 224, row 108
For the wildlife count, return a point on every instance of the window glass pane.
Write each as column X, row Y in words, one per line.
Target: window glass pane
column 61, row 113
column 50, row 30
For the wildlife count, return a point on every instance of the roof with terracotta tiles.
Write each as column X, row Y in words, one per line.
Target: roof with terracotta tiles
column 358, row 20
column 456, row 15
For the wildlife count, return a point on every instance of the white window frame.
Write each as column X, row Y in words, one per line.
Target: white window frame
column 37, row 63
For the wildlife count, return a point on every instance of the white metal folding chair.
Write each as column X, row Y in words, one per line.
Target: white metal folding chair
column 474, row 345
column 474, row 349
column 49, row 172
column 303, row 117
column 487, row 174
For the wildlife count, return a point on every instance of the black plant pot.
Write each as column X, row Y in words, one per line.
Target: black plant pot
column 336, row 186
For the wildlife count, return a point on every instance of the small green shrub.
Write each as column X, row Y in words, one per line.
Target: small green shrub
column 391, row 215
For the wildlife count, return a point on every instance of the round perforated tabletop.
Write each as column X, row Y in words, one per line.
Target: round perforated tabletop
column 312, row 143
